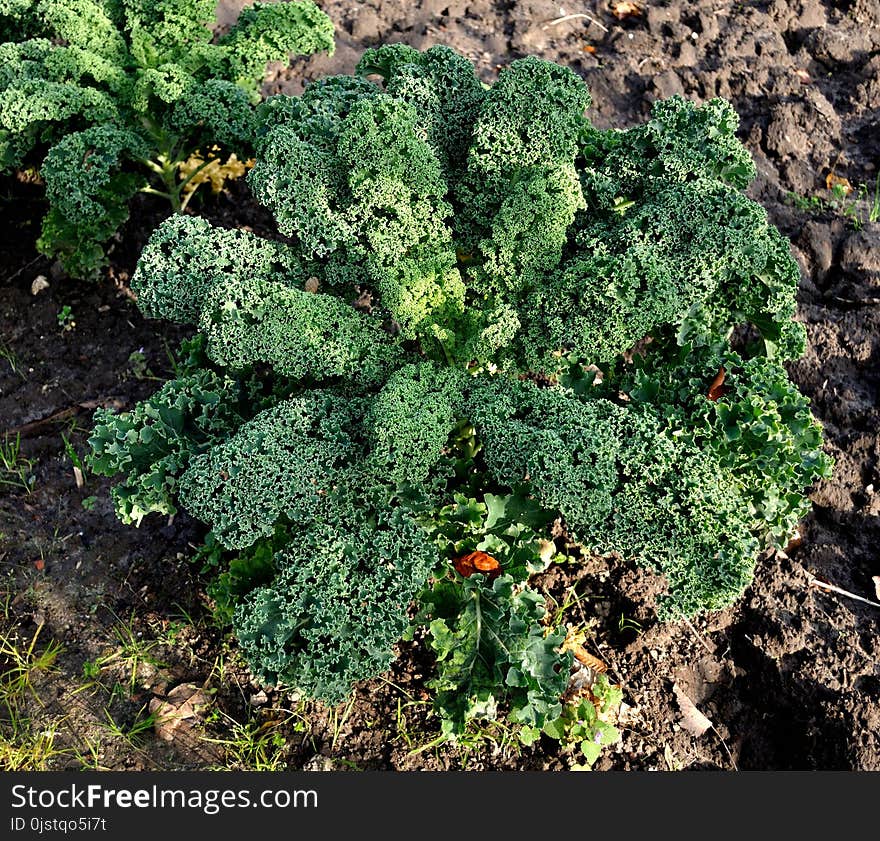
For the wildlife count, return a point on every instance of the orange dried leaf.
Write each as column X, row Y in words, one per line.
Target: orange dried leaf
column 39, row 565
column 832, row 181
column 467, row 565
column 589, row 48
column 624, row 9
column 716, row 387
column 795, row 541
column 584, row 657
column 463, row 566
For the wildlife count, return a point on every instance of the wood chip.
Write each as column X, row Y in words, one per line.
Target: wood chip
column 78, row 477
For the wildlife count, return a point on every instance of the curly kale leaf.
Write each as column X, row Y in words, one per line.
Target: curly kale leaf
column 15, row 20
column 88, row 188
column 699, row 245
column 681, row 142
column 40, row 86
column 626, row 481
column 298, row 333
column 337, row 606
column 443, row 88
column 87, row 24
column 563, row 447
column 215, row 111
column 169, row 32
column 411, row 418
column 679, row 509
column 521, row 191
column 272, row 32
column 376, row 197
column 152, row 445
column 284, row 464
column 757, row 427
column 187, row 256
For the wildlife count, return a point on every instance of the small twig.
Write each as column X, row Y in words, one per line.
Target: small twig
column 724, row 745
column 864, row 302
column 564, row 18
column 831, row 588
column 23, row 268
column 29, row 429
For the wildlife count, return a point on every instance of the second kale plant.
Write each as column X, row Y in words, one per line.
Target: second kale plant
column 108, row 98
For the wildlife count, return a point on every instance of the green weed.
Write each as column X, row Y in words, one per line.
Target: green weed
column 16, row 470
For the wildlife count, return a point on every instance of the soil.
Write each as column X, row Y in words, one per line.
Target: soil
column 789, row 676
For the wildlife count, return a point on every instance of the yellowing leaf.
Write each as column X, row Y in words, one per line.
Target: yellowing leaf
column 213, row 171
column 833, row 181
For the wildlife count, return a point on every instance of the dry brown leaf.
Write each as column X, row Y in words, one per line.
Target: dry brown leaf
column 312, row 284
column 717, row 389
column 182, row 703
column 692, row 719
column 796, row 540
column 803, row 75
column 31, row 175
column 832, row 181
column 876, row 580
column 624, row 9
column 585, row 669
column 40, row 283
column 583, row 656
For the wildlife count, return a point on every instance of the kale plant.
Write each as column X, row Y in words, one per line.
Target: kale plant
column 109, row 98
column 485, row 314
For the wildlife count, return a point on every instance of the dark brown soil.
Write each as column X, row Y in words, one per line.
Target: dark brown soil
column 789, row 676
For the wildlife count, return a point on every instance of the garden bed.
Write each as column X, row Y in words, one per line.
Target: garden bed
column 788, row 676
